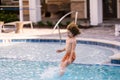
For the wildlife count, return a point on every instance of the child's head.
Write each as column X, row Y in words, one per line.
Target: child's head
column 73, row 28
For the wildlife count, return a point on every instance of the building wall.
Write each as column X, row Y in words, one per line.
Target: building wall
column 58, row 2
column 78, row 5
column 75, row 5
column 118, row 12
column 25, row 7
column 57, row 8
column 9, row 2
column 6, row 2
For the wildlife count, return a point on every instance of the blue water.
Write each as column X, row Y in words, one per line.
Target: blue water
column 39, row 61
column 85, row 54
column 11, row 69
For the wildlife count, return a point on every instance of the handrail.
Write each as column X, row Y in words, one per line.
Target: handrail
column 56, row 26
column 64, row 17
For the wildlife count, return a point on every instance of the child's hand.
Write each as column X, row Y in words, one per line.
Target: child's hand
column 58, row 51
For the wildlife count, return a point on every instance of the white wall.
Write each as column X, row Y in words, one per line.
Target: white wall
column 35, row 10
column 21, row 10
column 96, row 12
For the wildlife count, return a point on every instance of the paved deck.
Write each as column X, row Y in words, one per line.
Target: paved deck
column 103, row 33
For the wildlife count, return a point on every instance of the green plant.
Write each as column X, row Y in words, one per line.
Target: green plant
column 40, row 23
column 61, row 24
column 49, row 23
column 8, row 17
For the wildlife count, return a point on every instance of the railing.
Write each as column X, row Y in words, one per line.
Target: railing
column 57, row 24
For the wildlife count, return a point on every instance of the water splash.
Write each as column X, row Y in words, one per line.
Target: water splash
column 51, row 73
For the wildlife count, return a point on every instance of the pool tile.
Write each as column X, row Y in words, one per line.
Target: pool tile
column 63, row 41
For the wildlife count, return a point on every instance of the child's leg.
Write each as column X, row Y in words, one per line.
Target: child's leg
column 63, row 67
column 65, row 62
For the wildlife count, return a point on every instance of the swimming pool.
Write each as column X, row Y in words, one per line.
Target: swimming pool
column 37, row 60
column 11, row 69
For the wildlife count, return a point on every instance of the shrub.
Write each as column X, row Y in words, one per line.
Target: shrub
column 8, row 17
column 40, row 23
column 61, row 24
column 49, row 23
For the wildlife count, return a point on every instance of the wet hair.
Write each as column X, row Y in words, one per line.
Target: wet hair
column 73, row 28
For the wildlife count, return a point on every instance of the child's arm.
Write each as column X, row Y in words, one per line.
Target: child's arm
column 61, row 50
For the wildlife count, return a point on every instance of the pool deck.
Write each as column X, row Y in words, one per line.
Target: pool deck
column 97, row 33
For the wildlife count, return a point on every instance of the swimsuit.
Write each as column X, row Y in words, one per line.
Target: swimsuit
column 67, row 56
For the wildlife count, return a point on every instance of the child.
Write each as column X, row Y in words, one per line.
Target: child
column 70, row 56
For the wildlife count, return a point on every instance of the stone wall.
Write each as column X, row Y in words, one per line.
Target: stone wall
column 26, row 9
column 78, row 5
column 6, row 2
column 9, row 2
column 57, row 8
column 58, row 2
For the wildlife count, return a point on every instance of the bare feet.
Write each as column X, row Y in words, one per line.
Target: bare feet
column 62, row 71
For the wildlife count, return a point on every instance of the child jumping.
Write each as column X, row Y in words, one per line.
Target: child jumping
column 70, row 56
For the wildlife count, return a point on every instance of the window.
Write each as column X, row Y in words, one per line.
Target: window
column 0, row 2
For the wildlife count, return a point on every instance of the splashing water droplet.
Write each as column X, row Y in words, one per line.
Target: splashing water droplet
column 52, row 73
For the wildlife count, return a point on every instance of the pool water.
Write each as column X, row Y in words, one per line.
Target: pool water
column 11, row 69
column 44, row 51
column 39, row 61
